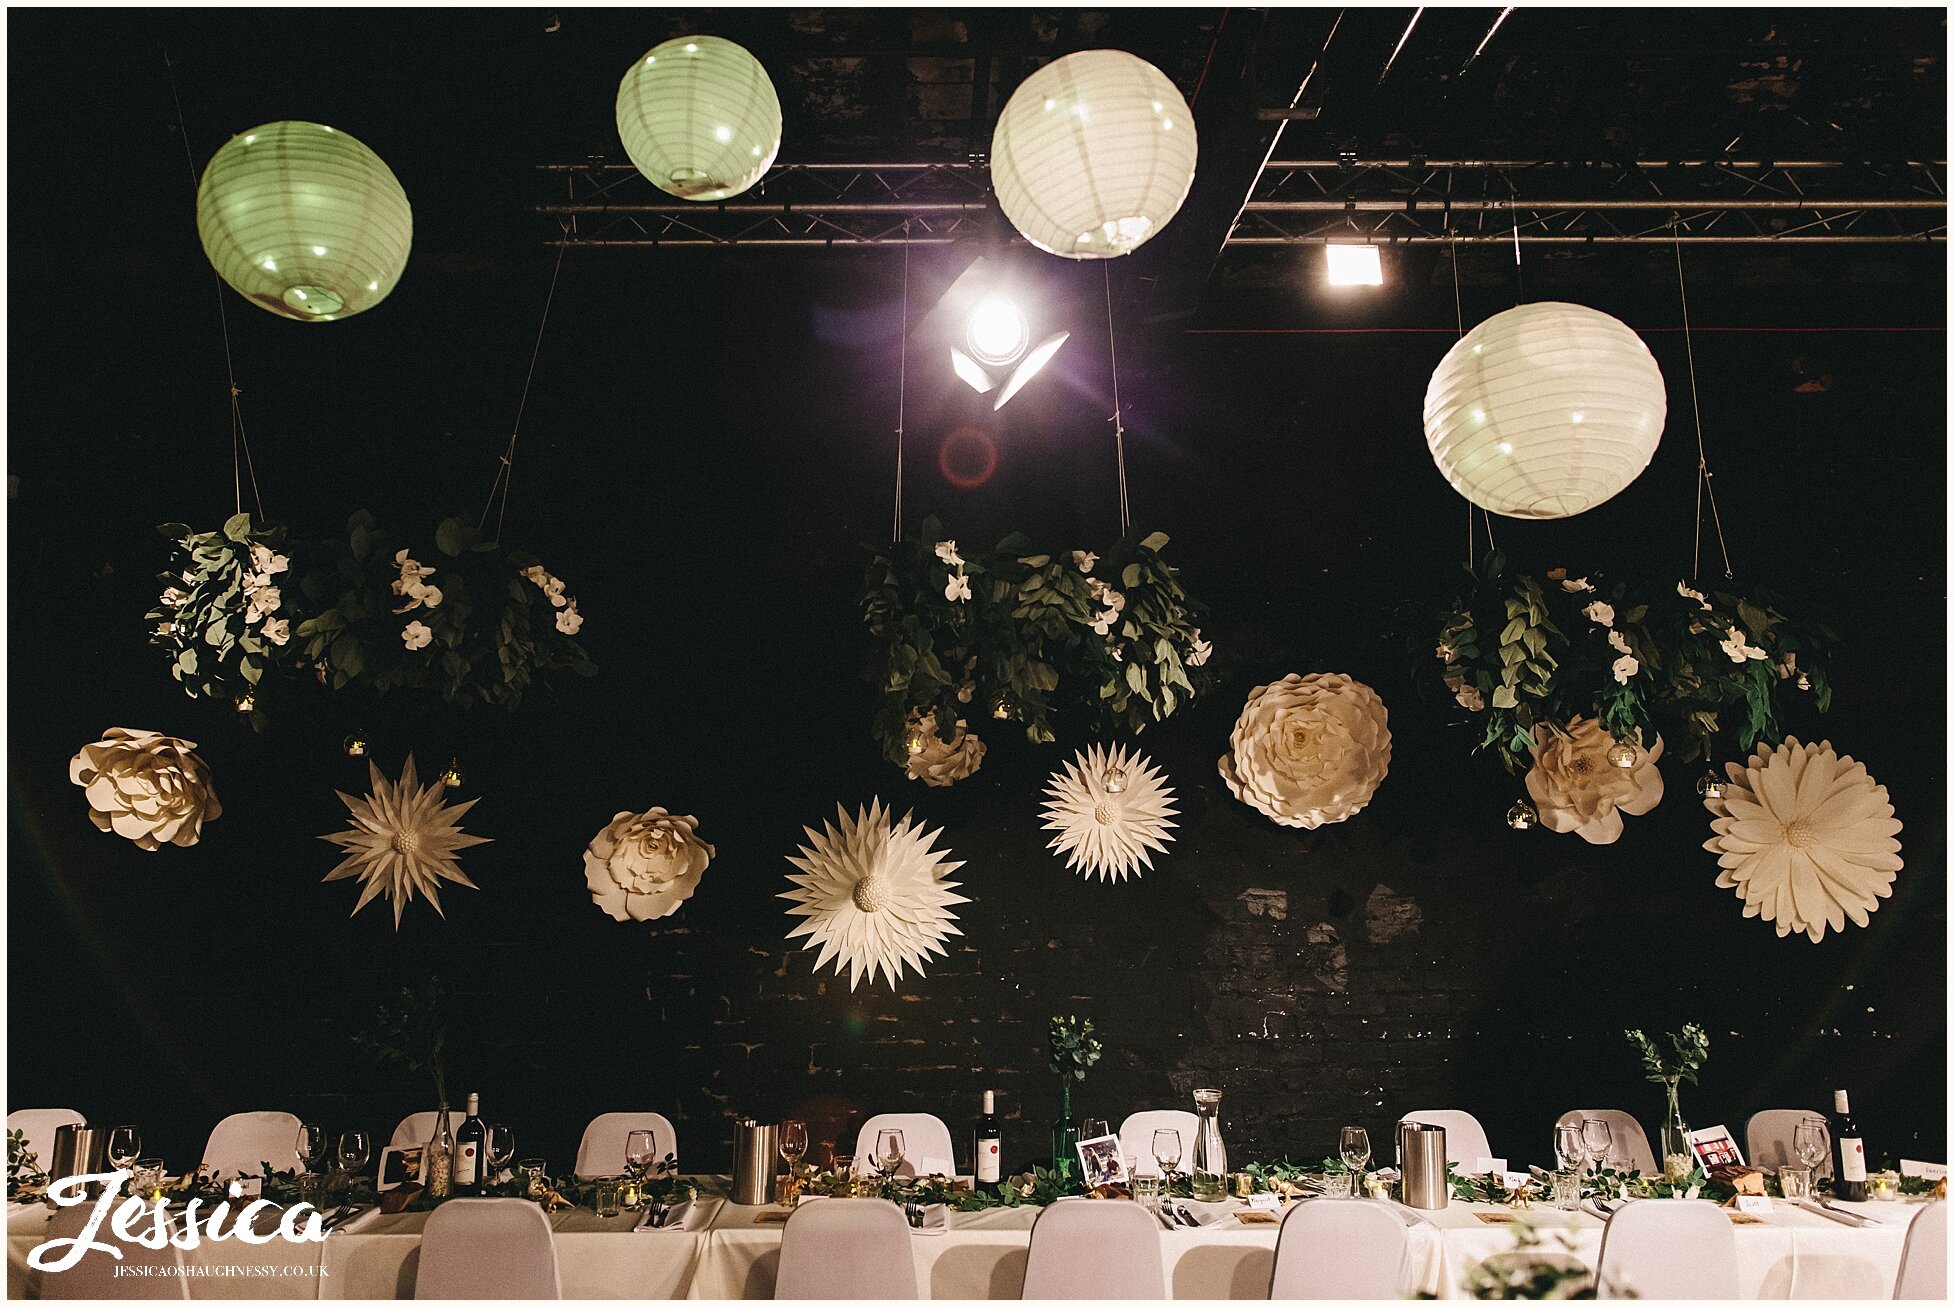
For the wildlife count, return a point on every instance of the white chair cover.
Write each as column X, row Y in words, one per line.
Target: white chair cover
column 602, row 1149
column 1923, row 1262
column 1095, row 1250
column 244, row 1141
column 1659, row 1248
column 1465, row 1138
column 487, row 1248
column 38, row 1124
column 418, row 1128
column 846, row 1248
column 925, row 1139
column 94, row 1276
column 1769, row 1136
column 1136, row 1137
column 1351, row 1249
column 1626, row 1134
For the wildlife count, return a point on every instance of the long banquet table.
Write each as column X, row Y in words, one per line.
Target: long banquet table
column 982, row 1255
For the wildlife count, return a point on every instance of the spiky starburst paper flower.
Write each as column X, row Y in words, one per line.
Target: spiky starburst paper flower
column 403, row 839
column 874, row 895
column 1110, row 809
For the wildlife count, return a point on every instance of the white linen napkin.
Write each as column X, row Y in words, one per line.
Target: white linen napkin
column 680, row 1217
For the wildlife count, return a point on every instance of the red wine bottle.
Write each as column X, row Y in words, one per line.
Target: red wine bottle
column 471, row 1151
column 987, row 1145
column 1848, row 1152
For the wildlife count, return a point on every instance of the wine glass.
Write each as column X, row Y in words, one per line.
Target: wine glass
column 1167, row 1151
column 1569, row 1146
column 1355, row 1145
column 501, row 1149
column 354, row 1149
column 310, row 1148
column 640, row 1151
column 889, row 1150
column 1599, row 1139
column 793, row 1144
column 125, row 1145
column 1809, row 1142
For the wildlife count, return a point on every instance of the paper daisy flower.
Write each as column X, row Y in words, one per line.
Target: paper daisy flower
column 403, row 840
column 1110, row 809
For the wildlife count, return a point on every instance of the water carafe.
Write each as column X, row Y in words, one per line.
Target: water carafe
column 1210, row 1154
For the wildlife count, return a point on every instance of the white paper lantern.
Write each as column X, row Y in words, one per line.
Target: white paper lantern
column 1093, row 155
column 1544, row 410
column 302, row 219
column 699, row 117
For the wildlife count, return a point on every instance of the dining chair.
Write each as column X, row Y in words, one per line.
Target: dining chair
column 602, row 1149
column 1136, row 1136
column 417, row 1128
column 488, row 1248
column 98, row 1275
column 1626, row 1133
column 1351, row 1249
column 926, row 1144
column 848, row 1249
column 1095, row 1250
column 1768, row 1139
column 1923, row 1260
column 1465, row 1138
column 244, row 1141
column 38, row 1125
column 1659, row 1248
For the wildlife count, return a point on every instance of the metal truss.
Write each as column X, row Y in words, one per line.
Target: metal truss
column 1406, row 202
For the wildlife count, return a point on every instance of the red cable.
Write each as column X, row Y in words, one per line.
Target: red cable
column 1450, row 331
column 1202, row 80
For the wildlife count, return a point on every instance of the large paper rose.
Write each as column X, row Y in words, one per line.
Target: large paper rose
column 1805, row 838
column 644, row 864
column 1309, row 750
column 1576, row 788
column 146, row 787
column 936, row 761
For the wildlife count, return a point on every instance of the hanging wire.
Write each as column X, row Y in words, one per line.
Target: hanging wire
column 1519, row 273
column 1458, row 311
column 1703, row 486
column 240, row 444
column 505, row 472
column 902, row 381
column 1119, row 427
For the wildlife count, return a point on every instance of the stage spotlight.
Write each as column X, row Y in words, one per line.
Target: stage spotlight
column 1028, row 369
column 998, row 333
column 1354, row 265
column 986, row 326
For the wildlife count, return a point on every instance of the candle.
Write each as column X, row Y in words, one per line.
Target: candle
column 1884, row 1186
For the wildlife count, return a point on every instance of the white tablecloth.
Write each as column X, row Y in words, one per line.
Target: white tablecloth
column 1796, row 1255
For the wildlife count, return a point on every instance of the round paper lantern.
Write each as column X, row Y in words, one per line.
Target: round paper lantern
column 1093, row 155
column 1544, row 410
column 699, row 117
column 304, row 220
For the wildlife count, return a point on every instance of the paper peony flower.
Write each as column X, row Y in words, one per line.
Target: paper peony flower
column 874, row 895
column 403, row 840
column 1309, row 750
column 1110, row 809
column 1805, row 838
column 146, row 787
column 1577, row 789
column 644, row 864
column 942, row 762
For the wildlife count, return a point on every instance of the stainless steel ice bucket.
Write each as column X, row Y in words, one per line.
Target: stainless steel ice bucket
column 1421, row 1165
column 755, row 1154
column 78, row 1150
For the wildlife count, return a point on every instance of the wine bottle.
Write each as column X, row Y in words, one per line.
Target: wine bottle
column 1848, row 1152
column 471, row 1150
column 987, row 1145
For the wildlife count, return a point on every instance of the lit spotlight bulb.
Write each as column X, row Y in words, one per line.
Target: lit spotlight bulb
column 1710, row 785
column 1621, row 754
column 1114, row 779
column 452, row 777
column 997, row 332
column 1521, row 816
column 356, row 744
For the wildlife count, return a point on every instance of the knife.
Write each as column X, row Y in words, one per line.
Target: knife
column 1161, row 1217
column 1825, row 1209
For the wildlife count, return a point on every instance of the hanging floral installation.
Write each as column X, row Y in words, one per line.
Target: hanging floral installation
column 1309, row 750
column 642, row 865
column 226, row 612
column 875, row 895
column 1805, row 838
column 1102, row 643
column 403, row 841
column 936, row 761
column 147, row 787
column 1524, row 658
column 1111, row 809
column 1583, row 780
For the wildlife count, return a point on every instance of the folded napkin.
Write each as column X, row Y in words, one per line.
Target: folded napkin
column 1853, row 1219
column 678, row 1217
column 936, row 1220
column 361, row 1217
column 1603, row 1208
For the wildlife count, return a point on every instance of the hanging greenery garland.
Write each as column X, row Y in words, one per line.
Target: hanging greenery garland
column 1526, row 658
column 227, row 610
column 1110, row 642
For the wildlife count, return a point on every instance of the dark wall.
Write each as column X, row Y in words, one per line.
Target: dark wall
column 708, row 444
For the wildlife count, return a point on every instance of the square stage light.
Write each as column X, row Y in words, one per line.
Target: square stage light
column 1354, row 265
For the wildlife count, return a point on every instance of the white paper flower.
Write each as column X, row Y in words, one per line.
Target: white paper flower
column 1600, row 613
column 265, row 562
column 957, row 588
column 1579, row 585
column 1682, row 588
column 278, row 630
column 1115, row 602
column 263, row 602
column 415, row 635
column 1199, row 650
column 403, row 840
column 1309, row 750
column 1738, row 647
column 1576, row 788
column 146, row 787
column 644, row 864
column 1469, row 697
column 1805, row 838
column 942, row 762
column 569, row 621
column 874, row 895
column 173, row 598
column 1625, row 667
column 1083, row 560
column 1105, row 831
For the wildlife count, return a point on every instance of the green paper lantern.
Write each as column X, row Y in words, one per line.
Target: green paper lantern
column 305, row 221
column 699, row 117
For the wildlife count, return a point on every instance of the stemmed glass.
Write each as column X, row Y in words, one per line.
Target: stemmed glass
column 1167, row 1152
column 125, row 1146
column 1809, row 1142
column 1355, row 1145
column 310, row 1148
column 793, row 1144
column 640, row 1151
column 354, row 1149
column 889, row 1151
column 1569, row 1146
column 501, row 1149
column 1599, row 1139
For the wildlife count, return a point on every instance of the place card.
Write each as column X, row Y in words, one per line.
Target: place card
column 1745, row 1218
column 1489, row 1166
column 1258, row 1218
column 1265, row 1202
column 1924, row 1170
column 771, row 1217
column 1755, row 1204
column 1498, row 1218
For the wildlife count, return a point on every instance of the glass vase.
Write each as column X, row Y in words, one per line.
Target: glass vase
column 438, row 1170
column 1210, row 1153
column 1065, row 1134
column 1677, row 1159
